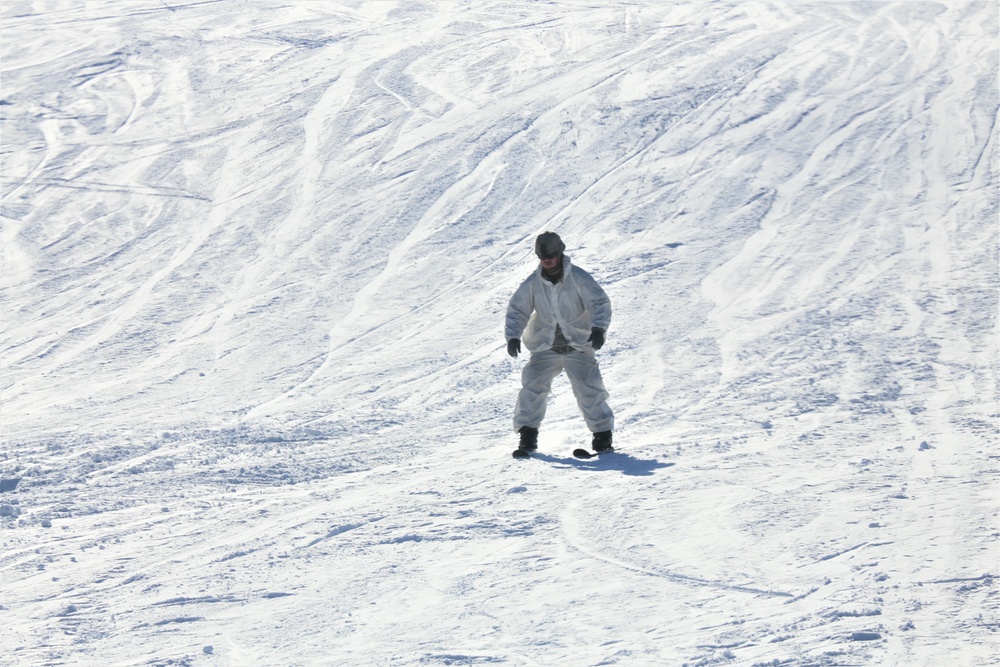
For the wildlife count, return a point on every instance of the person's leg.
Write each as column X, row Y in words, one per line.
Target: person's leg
column 588, row 387
column 536, row 381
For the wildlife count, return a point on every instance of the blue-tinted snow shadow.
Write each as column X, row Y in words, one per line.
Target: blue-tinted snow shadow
column 617, row 461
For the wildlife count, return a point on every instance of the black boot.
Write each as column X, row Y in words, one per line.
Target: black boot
column 529, row 438
column 602, row 442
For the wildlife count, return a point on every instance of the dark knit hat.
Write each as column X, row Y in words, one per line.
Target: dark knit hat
column 548, row 243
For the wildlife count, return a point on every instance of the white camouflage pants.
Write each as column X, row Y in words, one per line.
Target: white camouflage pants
column 585, row 378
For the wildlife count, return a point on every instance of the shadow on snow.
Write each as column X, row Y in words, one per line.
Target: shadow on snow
column 624, row 463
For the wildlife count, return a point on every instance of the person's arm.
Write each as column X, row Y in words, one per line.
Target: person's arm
column 519, row 310
column 598, row 304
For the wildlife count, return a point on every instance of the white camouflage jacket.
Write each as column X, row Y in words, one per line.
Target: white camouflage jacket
column 576, row 304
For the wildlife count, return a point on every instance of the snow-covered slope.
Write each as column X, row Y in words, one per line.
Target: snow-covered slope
column 255, row 396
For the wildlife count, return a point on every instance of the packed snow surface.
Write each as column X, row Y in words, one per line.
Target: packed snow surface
column 256, row 402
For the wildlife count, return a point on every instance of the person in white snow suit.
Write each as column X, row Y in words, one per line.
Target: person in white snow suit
column 562, row 315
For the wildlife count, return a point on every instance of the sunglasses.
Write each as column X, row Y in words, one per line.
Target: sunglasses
column 551, row 255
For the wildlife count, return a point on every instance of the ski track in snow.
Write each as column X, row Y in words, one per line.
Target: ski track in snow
column 255, row 398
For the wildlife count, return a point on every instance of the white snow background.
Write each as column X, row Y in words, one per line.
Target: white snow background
column 256, row 402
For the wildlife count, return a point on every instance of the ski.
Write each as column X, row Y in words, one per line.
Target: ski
column 578, row 453
column 587, row 454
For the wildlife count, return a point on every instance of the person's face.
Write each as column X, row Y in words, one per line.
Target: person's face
column 550, row 261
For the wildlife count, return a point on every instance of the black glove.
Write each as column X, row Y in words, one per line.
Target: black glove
column 596, row 338
column 514, row 347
